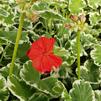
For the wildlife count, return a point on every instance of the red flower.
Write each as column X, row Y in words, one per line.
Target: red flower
column 42, row 56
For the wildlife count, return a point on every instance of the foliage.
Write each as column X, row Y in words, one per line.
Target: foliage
column 49, row 20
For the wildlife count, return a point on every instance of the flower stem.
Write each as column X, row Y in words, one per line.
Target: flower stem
column 78, row 53
column 16, row 43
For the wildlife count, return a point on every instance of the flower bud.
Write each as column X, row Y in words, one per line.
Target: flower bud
column 68, row 26
column 74, row 18
column 82, row 18
column 33, row 16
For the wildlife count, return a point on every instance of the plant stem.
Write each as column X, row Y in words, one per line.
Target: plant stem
column 16, row 43
column 78, row 53
column 50, row 25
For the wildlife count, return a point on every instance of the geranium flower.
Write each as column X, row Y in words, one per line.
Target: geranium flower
column 42, row 56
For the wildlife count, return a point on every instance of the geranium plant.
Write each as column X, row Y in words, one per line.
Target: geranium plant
column 50, row 50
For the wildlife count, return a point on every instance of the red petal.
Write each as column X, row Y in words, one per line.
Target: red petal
column 38, row 45
column 37, row 62
column 45, row 63
column 41, row 55
column 55, row 60
column 42, row 64
column 46, row 43
column 42, row 45
column 33, row 53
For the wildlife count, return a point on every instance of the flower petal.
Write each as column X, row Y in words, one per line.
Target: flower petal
column 55, row 60
column 46, row 65
column 38, row 45
column 48, row 43
column 41, row 54
column 37, row 63
column 42, row 64
column 33, row 53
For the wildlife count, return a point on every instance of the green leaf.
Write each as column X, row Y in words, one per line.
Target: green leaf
column 74, row 48
column 40, row 6
column 94, row 3
column 62, row 31
column 90, row 72
column 97, row 95
column 49, row 14
column 50, row 86
column 4, row 94
column 22, row 50
column 66, row 96
column 3, row 13
column 81, row 91
column 65, row 70
column 60, row 51
column 11, row 36
column 3, row 41
column 70, row 59
column 96, row 54
column 95, row 18
column 9, row 19
column 76, row 6
column 39, row 97
column 95, row 32
column 5, row 70
column 19, row 88
column 29, row 74
column 6, row 14
column 1, row 49
column 87, row 40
